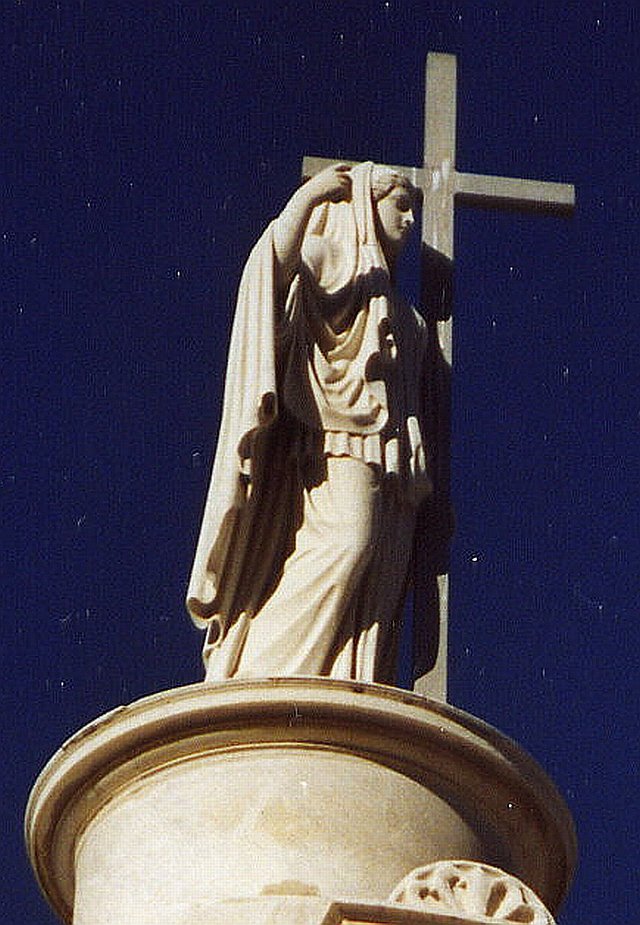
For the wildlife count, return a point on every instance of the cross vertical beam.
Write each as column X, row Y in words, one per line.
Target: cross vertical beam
column 439, row 174
column 438, row 182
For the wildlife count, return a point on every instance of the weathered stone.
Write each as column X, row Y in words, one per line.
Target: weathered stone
column 475, row 892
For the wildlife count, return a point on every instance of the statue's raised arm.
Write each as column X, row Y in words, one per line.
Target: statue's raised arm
column 330, row 185
column 305, row 550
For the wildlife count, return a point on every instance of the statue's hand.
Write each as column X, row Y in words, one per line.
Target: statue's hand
column 332, row 184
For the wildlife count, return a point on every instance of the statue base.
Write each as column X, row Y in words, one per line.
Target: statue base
column 283, row 800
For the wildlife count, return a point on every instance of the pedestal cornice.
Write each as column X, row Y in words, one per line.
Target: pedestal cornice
column 506, row 807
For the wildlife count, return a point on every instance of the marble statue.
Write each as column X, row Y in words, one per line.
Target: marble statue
column 306, row 545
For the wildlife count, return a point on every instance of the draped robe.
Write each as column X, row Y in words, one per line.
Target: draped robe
column 305, row 546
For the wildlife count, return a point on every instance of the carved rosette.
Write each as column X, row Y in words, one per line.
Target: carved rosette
column 477, row 892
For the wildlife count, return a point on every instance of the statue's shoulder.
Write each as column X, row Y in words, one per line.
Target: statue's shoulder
column 319, row 252
column 326, row 262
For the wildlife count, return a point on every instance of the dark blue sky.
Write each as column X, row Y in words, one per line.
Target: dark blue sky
column 145, row 146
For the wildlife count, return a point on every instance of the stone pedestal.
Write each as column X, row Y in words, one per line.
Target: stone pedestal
column 284, row 800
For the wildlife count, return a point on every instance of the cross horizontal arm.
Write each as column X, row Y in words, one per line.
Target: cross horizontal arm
column 476, row 188
column 313, row 165
column 510, row 192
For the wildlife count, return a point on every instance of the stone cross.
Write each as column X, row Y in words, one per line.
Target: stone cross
column 442, row 187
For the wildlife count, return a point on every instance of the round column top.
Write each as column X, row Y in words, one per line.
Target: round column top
column 485, row 775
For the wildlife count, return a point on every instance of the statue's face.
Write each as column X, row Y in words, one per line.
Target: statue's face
column 395, row 218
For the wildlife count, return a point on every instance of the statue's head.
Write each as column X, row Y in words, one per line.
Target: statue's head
column 395, row 201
